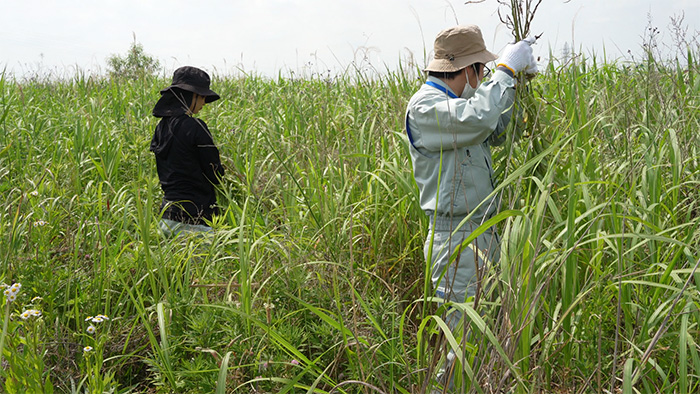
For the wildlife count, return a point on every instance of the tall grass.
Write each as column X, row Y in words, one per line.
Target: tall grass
column 313, row 281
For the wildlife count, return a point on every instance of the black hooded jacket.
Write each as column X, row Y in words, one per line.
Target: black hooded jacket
column 188, row 166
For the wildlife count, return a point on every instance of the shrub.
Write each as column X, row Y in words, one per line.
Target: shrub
column 135, row 64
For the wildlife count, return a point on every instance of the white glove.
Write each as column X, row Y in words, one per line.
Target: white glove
column 519, row 57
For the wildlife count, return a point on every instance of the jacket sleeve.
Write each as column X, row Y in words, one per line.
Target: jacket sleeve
column 498, row 137
column 457, row 123
column 207, row 152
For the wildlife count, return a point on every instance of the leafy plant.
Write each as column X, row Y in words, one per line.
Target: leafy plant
column 133, row 65
column 22, row 347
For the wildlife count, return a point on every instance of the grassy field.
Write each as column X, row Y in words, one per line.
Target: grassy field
column 314, row 280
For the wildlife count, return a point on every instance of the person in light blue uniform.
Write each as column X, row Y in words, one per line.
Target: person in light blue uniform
column 452, row 121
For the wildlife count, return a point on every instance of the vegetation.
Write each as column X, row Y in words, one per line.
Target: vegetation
column 135, row 64
column 314, row 280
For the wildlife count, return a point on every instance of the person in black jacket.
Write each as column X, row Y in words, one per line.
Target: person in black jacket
column 187, row 159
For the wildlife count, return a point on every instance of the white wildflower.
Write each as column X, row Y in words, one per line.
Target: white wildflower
column 30, row 313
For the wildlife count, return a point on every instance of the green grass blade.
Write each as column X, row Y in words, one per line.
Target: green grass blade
column 223, row 372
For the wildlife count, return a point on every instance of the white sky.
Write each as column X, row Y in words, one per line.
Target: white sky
column 304, row 36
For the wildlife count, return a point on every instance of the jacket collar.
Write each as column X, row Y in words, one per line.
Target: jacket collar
column 437, row 83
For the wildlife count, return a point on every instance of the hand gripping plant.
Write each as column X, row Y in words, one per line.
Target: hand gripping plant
column 518, row 18
column 518, row 15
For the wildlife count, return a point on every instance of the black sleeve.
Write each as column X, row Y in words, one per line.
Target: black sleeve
column 207, row 153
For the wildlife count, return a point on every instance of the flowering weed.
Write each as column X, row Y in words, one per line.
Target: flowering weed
column 96, row 379
column 22, row 344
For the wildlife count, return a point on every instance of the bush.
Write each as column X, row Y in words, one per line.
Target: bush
column 134, row 65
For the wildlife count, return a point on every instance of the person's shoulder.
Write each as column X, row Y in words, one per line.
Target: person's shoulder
column 426, row 94
column 192, row 122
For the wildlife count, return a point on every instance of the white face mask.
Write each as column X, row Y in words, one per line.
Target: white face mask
column 469, row 91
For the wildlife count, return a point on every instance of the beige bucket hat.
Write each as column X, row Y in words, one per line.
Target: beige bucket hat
column 457, row 47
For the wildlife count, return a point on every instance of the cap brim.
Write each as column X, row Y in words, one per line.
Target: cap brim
column 209, row 95
column 445, row 65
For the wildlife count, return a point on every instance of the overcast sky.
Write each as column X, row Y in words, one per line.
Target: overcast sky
column 269, row 36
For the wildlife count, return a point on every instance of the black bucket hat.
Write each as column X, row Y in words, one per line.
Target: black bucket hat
column 172, row 100
column 193, row 80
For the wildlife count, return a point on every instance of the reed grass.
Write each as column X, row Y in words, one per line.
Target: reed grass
column 314, row 278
